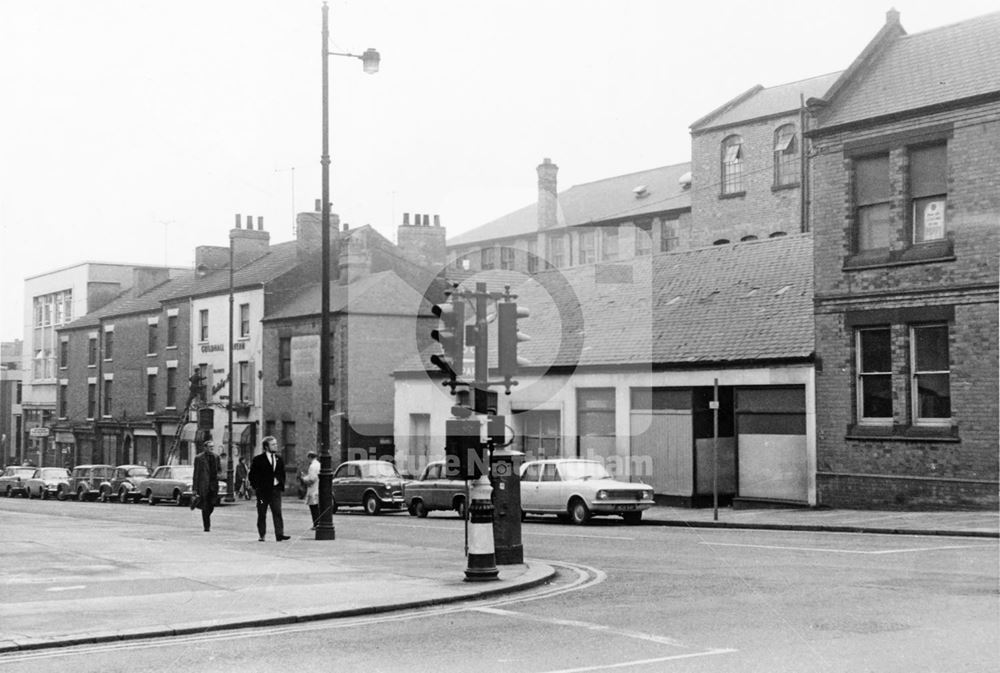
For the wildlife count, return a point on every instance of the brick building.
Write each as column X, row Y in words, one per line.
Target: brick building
column 906, row 220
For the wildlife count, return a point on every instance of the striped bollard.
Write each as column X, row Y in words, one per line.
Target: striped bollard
column 482, row 559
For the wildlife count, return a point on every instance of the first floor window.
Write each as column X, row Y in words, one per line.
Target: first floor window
column 109, row 343
column 931, row 375
column 244, row 389
column 244, row 320
column 874, row 366
column 203, row 324
column 288, row 440
column 92, row 352
column 151, row 393
column 668, row 235
column 171, row 387
column 91, row 400
column 108, row 398
column 171, row 331
column 63, row 401
column 285, row 359
column 588, row 246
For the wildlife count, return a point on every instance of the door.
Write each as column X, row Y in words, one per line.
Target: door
column 662, row 450
column 550, row 496
column 771, row 435
column 529, row 487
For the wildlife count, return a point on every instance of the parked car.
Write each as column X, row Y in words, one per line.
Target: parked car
column 126, row 485
column 13, row 479
column 169, row 482
column 433, row 491
column 576, row 490
column 87, row 482
column 48, row 481
column 372, row 484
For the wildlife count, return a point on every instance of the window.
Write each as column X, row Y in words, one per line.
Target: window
column 588, row 246
column 874, row 366
column 507, row 258
column 871, row 198
column 930, row 372
column 540, row 434
column 151, row 338
column 205, row 389
column 643, row 238
column 285, row 359
column 487, row 258
column 244, row 320
column 38, row 311
column 609, row 243
column 92, row 352
column 557, row 251
column 108, row 397
column 243, row 393
column 150, row 393
column 171, row 331
column 532, row 256
column 63, row 354
column 171, row 387
column 732, row 165
column 68, row 306
column 928, row 192
column 786, row 156
column 91, row 400
column 203, row 324
column 668, row 235
column 63, row 401
column 109, row 342
column 288, row 440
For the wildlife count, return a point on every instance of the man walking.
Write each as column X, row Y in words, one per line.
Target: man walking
column 205, row 483
column 267, row 476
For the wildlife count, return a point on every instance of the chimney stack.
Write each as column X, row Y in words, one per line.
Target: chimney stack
column 548, row 200
column 422, row 243
column 248, row 244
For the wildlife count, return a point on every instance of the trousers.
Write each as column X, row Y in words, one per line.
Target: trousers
column 272, row 500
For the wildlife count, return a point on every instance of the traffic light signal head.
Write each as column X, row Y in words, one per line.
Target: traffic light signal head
column 508, row 337
column 451, row 335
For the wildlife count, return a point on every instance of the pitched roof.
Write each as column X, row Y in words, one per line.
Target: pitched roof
column 761, row 102
column 383, row 293
column 600, row 201
column 129, row 303
column 735, row 303
column 940, row 65
column 278, row 259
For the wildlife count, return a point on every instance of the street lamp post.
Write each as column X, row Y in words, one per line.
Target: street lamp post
column 324, row 527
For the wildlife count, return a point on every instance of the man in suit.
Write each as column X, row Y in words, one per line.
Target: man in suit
column 267, row 476
column 205, row 483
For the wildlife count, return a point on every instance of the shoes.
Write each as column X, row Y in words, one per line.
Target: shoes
column 282, row 538
column 207, row 530
column 260, row 539
column 191, row 503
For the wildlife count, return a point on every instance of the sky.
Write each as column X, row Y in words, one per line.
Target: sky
column 132, row 131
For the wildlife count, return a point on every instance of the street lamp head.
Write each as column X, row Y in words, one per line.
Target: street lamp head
column 370, row 60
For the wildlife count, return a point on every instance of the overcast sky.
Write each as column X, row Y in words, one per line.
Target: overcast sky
column 133, row 130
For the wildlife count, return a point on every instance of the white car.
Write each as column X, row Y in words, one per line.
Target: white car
column 576, row 489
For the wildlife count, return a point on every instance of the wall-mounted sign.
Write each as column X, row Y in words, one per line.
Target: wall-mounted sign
column 219, row 348
column 38, row 432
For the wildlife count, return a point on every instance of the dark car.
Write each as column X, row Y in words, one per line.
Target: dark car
column 12, row 481
column 433, row 491
column 126, row 486
column 372, row 484
column 88, row 482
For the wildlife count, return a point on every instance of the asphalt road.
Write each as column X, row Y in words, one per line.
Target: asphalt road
column 628, row 598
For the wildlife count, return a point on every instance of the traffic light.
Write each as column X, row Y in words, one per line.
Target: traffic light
column 451, row 335
column 508, row 337
column 465, row 453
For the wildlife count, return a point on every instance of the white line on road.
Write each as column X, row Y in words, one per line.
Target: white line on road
column 73, row 588
column 640, row 662
column 523, row 532
column 843, row 551
column 661, row 640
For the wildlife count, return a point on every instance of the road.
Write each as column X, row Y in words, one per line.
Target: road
column 628, row 598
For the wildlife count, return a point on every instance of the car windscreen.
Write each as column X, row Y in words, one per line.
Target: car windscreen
column 25, row 473
column 380, row 470
column 583, row 469
column 58, row 473
column 138, row 472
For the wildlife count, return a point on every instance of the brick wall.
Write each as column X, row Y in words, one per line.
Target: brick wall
column 763, row 209
column 950, row 467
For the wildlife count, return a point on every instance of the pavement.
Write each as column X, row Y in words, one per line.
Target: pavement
column 76, row 592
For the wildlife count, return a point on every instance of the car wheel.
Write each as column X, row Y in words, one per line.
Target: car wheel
column 43, row 494
column 61, row 494
column 81, row 495
column 410, row 509
column 27, row 493
column 150, row 500
column 6, row 492
column 460, row 507
column 179, row 499
column 123, row 496
column 632, row 517
column 372, row 505
column 103, row 497
column 579, row 514
column 419, row 508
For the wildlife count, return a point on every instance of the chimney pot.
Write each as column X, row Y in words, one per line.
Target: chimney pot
column 260, row 223
column 427, row 220
column 437, row 220
column 237, row 220
column 892, row 16
column 406, row 219
column 317, row 206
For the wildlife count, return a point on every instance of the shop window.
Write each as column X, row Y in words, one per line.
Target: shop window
column 540, row 434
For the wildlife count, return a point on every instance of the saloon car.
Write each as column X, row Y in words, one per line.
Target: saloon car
column 126, row 485
column 575, row 490
column 48, row 481
column 12, row 481
column 169, row 482
column 433, row 491
column 372, row 484
column 87, row 482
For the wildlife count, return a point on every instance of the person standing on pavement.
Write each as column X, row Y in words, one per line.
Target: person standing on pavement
column 311, row 480
column 267, row 477
column 205, row 483
column 241, row 486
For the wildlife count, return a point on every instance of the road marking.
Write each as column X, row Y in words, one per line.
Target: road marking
column 523, row 532
column 73, row 588
column 843, row 551
column 640, row 662
column 661, row 640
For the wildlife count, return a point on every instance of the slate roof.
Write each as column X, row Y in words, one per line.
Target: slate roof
column 729, row 304
column 279, row 258
column 129, row 303
column 914, row 71
column 604, row 200
column 383, row 293
column 761, row 102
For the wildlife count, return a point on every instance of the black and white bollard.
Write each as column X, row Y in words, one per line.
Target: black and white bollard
column 482, row 564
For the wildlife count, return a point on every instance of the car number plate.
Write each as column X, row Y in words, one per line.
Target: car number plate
column 624, row 508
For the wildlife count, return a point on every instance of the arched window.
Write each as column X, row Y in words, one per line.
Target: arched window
column 732, row 165
column 749, row 237
column 721, row 241
column 777, row 234
column 786, row 156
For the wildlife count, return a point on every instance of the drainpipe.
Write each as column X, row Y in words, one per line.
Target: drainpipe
column 803, row 168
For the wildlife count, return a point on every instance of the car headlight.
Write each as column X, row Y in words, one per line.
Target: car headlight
column 602, row 495
column 647, row 495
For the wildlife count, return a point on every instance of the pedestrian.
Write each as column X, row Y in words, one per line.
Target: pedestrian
column 205, row 483
column 241, row 486
column 311, row 479
column 267, row 476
